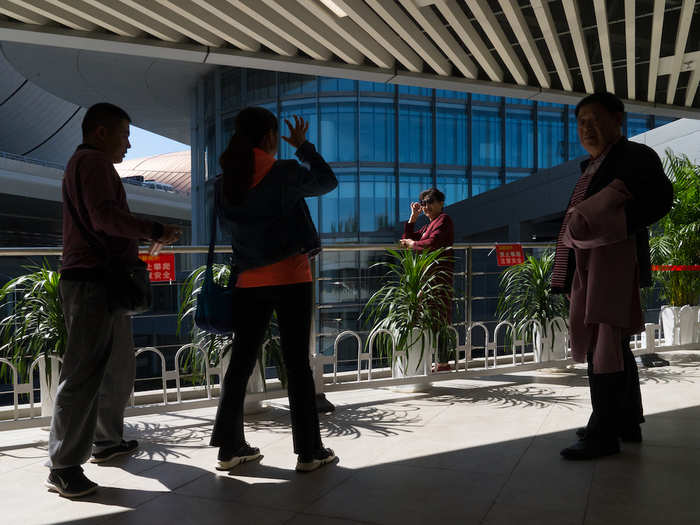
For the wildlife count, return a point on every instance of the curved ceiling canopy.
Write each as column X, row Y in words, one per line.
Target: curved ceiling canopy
column 648, row 51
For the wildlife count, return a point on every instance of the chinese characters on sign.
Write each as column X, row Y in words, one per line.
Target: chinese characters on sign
column 160, row 267
column 509, row 254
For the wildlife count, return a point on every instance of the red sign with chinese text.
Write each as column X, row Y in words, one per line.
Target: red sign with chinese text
column 509, row 254
column 160, row 267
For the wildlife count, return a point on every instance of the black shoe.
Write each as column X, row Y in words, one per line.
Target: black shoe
column 227, row 459
column 323, row 406
column 70, row 482
column 591, row 449
column 123, row 448
column 321, row 457
column 629, row 435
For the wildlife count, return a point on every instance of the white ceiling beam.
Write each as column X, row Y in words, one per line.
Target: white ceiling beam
column 573, row 18
column 137, row 19
column 629, row 45
column 57, row 14
column 306, row 22
column 686, row 15
column 484, row 15
column 179, row 23
column 692, row 88
column 433, row 26
column 551, row 37
column 278, row 23
column 211, row 23
column 461, row 25
column 99, row 18
column 21, row 13
column 363, row 16
column 348, row 30
column 394, row 16
column 253, row 28
column 657, row 26
column 517, row 22
column 601, row 18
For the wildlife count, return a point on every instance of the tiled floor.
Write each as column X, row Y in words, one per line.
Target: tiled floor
column 473, row 451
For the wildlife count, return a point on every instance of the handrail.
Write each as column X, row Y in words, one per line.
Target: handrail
column 223, row 248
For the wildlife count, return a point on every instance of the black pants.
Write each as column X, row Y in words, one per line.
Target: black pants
column 293, row 305
column 616, row 399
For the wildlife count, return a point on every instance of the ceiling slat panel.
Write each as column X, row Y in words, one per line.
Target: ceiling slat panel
column 138, row 19
column 212, row 23
column 461, row 25
column 21, row 13
column 657, row 26
column 57, row 14
column 551, row 37
column 431, row 24
column 352, row 32
column 279, row 24
column 686, row 15
column 363, row 16
column 630, row 31
column 692, row 88
column 306, row 22
column 407, row 29
column 517, row 22
column 573, row 19
column 494, row 31
column 601, row 17
column 99, row 18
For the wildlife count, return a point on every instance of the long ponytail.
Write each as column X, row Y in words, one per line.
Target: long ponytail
column 238, row 160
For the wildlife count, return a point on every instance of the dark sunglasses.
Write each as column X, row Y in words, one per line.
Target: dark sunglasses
column 425, row 202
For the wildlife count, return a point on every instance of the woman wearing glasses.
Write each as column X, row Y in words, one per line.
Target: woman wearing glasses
column 438, row 233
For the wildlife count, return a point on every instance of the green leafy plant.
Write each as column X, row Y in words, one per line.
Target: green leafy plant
column 525, row 293
column 34, row 325
column 216, row 346
column 415, row 289
column 675, row 239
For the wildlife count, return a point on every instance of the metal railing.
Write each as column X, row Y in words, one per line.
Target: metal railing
column 477, row 352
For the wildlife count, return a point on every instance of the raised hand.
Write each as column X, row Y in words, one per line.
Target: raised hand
column 297, row 132
column 415, row 211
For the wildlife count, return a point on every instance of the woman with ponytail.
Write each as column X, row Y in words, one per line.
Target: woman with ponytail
column 272, row 236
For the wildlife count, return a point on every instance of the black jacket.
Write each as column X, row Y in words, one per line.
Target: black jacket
column 274, row 222
column 640, row 168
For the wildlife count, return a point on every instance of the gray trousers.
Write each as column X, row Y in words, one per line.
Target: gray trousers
column 96, row 378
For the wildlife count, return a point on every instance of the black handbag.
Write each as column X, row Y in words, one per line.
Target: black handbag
column 215, row 303
column 128, row 285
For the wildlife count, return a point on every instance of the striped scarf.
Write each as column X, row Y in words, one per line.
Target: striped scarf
column 561, row 257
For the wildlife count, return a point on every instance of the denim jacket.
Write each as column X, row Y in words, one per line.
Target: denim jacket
column 274, row 222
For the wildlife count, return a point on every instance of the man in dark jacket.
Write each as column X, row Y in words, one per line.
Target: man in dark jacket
column 97, row 375
column 615, row 395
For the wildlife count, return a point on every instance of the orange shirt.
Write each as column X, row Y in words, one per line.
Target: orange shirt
column 293, row 269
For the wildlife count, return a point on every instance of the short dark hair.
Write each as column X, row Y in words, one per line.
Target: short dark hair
column 606, row 99
column 103, row 114
column 432, row 193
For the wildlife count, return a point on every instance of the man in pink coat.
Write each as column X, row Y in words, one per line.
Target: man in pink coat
column 602, row 260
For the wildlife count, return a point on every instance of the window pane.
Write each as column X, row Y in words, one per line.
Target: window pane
column 334, row 85
column 518, row 101
column 377, row 199
column 550, row 138
column 485, row 98
column 338, row 131
column 454, row 185
column 637, row 124
column 520, row 144
column 377, row 132
column 293, row 84
column 417, row 91
column 411, row 183
column 516, row 175
column 376, row 87
column 486, row 136
column 661, row 121
column 451, row 136
column 415, row 134
column 306, row 110
column 484, row 180
column 444, row 93
column 230, row 90
column 261, row 85
column 575, row 148
column 338, row 206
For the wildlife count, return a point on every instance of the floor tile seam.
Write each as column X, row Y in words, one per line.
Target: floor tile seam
column 331, row 516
